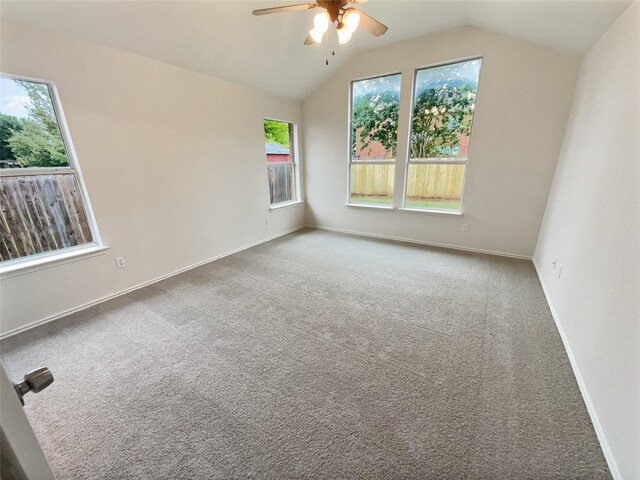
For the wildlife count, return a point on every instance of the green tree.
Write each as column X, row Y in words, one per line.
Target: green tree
column 441, row 116
column 38, row 142
column 35, row 147
column 375, row 115
column 8, row 125
column 277, row 132
column 442, row 110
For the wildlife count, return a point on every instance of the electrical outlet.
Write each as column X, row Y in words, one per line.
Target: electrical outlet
column 465, row 227
column 120, row 262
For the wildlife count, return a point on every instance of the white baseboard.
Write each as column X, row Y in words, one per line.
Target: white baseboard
column 420, row 242
column 608, row 454
column 140, row 285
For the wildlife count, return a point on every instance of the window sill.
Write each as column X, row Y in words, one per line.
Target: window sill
column 362, row 205
column 442, row 212
column 50, row 260
column 285, row 205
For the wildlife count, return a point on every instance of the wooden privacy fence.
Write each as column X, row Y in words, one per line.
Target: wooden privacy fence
column 282, row 185
column 372, row 179
column 40, row 213
column 435, row 181
column 423, row 180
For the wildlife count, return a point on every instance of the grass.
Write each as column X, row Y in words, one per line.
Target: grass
column 442, row 204
column 371, row 200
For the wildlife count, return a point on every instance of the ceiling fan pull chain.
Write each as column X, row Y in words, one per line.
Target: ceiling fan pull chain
column 331, row 49
column 326, row 51
column 326, row 56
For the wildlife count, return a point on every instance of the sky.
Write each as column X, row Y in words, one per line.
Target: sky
column 390, row 83
column 13, row 98
column 465, row 73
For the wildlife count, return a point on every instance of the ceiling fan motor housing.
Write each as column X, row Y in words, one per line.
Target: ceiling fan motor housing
column 333, row 7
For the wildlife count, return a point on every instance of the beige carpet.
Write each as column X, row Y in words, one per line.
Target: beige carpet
column 316, row 355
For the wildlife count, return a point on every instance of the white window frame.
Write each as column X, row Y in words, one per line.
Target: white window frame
column 350, row 161
column 293, row 139
column 408, row 162
column 96, row 245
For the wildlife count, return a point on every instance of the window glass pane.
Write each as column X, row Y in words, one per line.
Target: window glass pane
column 41, row 213
column 281, row 171
column 374, row 118
column 443, row 107
column 434, row 186
column 372, row 184
column 29, row 132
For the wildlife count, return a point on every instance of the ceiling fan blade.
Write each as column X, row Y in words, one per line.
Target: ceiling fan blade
column 371, row 25
column 287, row 8
column 309, row 40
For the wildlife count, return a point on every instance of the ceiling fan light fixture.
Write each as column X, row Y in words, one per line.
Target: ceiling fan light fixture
column 335, row 14
column 351, row 19
column 316, row 35
column 321, row 22
column 344, row 35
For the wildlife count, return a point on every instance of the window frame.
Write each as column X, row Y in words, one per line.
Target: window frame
column 350, row 161
column 408, row 160
column 294, row 150
column 72, row 169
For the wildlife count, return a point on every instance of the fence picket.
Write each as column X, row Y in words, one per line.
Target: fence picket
column 40, row 213
column 429, row 181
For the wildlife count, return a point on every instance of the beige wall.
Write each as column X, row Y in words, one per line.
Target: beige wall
column 523, row 103
column 592, row 227
column 174, row 163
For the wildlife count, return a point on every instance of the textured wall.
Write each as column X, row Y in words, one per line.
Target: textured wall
column 592, row 228
column 524, row 96
column 174, row 163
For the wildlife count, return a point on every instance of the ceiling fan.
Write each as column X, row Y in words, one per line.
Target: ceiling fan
column 346, row 19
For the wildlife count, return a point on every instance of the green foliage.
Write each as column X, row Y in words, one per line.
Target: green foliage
column 34, row 141
column 8, row 125
column 440, row 117
column 376, row 115
column 442, row 111
column 277, row 132
column 34, row 147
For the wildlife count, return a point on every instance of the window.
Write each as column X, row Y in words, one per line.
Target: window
column 443, row 105
column 282, row 165
column 374, row 137
column 42, row 199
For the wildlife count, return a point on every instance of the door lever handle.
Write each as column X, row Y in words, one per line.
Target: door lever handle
column 34, row 381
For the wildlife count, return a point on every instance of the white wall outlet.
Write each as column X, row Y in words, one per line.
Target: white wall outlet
column 120, row 262
column 465, row 227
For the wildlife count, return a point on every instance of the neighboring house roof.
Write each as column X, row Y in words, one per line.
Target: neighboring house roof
column 276, row 149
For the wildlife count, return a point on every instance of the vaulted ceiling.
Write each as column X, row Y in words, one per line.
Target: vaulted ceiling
column 223, row 39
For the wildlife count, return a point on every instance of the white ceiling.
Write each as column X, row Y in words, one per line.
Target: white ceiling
column 223, row 39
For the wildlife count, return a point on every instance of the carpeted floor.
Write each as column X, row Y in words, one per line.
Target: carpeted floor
column 316, row 355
